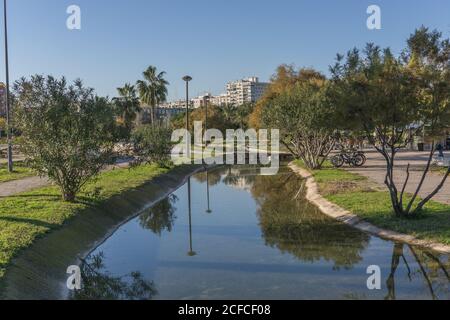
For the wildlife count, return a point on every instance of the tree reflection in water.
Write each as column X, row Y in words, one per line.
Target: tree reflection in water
column 161, row 216
column 98, row 284
column 427, row 266
column 292, row 225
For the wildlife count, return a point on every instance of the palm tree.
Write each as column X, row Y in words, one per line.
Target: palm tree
column 153, row 89
column 127, row 105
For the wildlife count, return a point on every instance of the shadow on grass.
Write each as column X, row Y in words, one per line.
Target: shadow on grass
column 38, row 223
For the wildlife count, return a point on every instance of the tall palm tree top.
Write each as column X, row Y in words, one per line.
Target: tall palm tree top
column 153, row 89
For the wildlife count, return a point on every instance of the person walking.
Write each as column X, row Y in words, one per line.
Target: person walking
column 440, row 150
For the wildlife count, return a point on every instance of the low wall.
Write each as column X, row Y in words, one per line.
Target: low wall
column 334, row 211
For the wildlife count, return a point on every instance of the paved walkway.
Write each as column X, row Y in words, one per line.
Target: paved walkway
column 27, row 184
column 375, row 169
column 16, row 186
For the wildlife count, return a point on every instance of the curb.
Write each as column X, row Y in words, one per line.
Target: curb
column 334, row 211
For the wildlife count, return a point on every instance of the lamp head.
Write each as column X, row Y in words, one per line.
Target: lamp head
column 187, row 78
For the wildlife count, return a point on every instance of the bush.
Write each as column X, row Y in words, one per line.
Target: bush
column 67, row 132
column 152, row 144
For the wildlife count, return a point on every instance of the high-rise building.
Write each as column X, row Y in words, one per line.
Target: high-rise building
column 245, row 91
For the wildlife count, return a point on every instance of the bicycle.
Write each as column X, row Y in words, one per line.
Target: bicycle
column 353, row 158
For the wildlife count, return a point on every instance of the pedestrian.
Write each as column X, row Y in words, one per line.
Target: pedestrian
column 440, row 149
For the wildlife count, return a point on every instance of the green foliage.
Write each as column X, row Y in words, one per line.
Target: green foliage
column 68, row 132
column 25, row 217
column 305, row 118
column 152, row 90
column 221, row 118
column 393, row 98
column 152, row 144
column 127, row 106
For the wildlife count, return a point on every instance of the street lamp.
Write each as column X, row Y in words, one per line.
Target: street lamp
column 188, row 142
column 191, row 251
column 8, row 111
column 207, row 192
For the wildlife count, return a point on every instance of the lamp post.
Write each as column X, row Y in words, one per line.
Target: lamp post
column 207, row 191
column 187, row 79
column 206, row 120
column 191, row 251
column 8, row 111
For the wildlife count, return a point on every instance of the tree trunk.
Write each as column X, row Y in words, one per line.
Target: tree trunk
column 69, row 196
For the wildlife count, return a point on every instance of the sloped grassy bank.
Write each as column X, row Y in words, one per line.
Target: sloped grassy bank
column 353, row 199
column 40, row 236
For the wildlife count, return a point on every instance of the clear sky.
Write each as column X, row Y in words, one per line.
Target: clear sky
column 214, row 41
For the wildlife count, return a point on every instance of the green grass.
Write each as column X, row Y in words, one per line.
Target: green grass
column 27, row 216
column 20, row 172
column 367, row 200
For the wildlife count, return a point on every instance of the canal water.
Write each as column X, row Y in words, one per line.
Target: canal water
column 231, row 233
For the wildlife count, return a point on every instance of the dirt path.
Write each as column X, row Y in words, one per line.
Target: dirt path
column 375, row 169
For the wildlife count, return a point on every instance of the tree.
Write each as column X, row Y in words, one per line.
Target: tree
column 68, row 132
column 391, row 99
column 304, row 117
column 152, row 144
column 153, row 89
column 218, row 118
column 127, row 106
column 283, row 80
column 2, row 125
column 241, row 115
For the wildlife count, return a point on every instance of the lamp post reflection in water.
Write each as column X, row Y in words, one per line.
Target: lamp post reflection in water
column 191, row 252
column 207, row 191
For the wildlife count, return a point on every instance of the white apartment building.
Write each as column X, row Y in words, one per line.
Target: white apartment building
column 201, row 101
column 220, row 100
column 245, row 91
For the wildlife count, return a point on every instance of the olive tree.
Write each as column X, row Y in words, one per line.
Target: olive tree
column 305, row 119
column 392, row 99
column 68, row 132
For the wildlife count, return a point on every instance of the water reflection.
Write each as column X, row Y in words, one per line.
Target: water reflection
column 208, row 210
column 98, row 284
column 191, row 251
column 294, row 226
column 429, row 267
column 264, row 234
column 161, row 216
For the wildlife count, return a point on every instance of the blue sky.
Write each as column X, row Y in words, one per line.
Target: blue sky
column 212, row 40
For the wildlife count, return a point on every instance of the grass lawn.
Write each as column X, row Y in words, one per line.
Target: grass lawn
column 26, row 216
column 367, row 200
column 20, row 172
